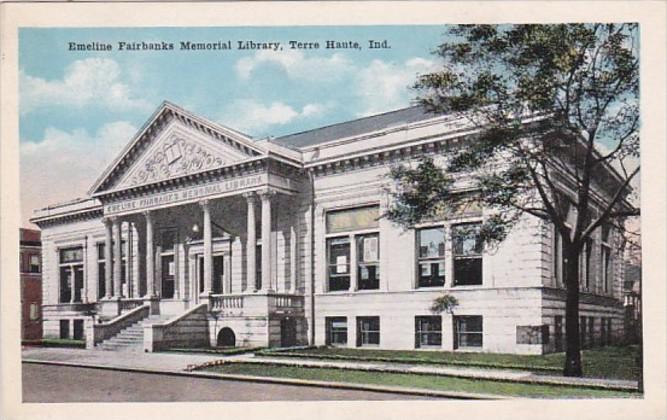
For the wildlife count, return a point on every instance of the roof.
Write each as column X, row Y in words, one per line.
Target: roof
column 356, row 127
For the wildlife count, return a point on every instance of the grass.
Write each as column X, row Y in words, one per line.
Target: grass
column 225, row 351
column 430, row 382
column 609, row 362
column 56, row 342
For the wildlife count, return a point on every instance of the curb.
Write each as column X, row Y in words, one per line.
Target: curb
column 285, row 381
column 527, row 381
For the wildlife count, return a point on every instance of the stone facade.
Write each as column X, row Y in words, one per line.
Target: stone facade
column 274, row 240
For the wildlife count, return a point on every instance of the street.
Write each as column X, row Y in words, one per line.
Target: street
column 45, row 383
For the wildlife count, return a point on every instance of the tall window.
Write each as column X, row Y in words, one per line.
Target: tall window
column 605, row 258
column 101, row 271
column 428, row 331
column 468, row 331
column 168, row 239
column 368, row 261
column 467, row 254
column 71, row 272
column 336, row 331
column 431, row 257
column 347, row 228
column 339, row 263
column 368, row 331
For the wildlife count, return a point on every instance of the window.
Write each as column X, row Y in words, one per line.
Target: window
column 34, row 263
column 338, row 250
column 591, row 331
column 71, row 270
column 168, row 240
column 101, row 271
column 368, row 331
column 341, row 267
column 587, row 269
column 64, row 328
column 605, row 258
column 34, row 311
column 582, row 331
column 468, row 331
column 428, row 331
column 431, row 257
column 78, row 329
column 336, row 330
column 558, row 333
column 349, row 220
column 258, row 266
column 560, row 258
column 368, row 261
column 467, row 254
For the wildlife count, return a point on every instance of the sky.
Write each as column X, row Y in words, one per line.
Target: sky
column 79, row 108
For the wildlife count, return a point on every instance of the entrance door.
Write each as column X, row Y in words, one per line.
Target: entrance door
column 168, row 274
column 288, row 332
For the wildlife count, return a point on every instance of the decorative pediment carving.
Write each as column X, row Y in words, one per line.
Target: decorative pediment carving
column 175, row 157
column 178, row 151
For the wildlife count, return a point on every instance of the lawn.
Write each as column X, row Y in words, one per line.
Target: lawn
column 603, row 362
column 430, row 382
column 56, row 342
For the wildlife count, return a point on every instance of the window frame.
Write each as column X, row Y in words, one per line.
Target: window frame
column 330, row 333
column 458, row 333
column 361, row 263
column 363, row 334
column 70, row 267
column 479, row 255
column 420, row 333
column 338, row 240
column 439, row 259
column 354, row 262
column 35, row 268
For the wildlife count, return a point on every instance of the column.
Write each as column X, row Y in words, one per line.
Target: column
column 293, row 257
column 150, row 254
column 266, row 240
column 84, row 291
column 251, row 242
column 117, row 258
column 128, row 260
column 208, row 248
column 108, row 263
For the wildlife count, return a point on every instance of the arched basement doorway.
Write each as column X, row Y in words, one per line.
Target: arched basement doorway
column 226, row 338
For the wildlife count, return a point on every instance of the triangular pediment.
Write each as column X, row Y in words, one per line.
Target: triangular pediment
column 174, row 144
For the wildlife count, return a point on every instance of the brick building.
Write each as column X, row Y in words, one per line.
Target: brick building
column 30, row 251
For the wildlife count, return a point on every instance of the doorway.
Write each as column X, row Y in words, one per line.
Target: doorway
column 218, row 274
column 288, row 332
column 226, row 338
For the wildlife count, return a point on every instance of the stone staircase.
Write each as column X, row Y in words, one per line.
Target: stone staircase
column 132, row 337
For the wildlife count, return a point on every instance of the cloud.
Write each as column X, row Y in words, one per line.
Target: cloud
column 297, row 66
column 63, row 165
column 384, row 86
column 91, row 81
column 255, row 117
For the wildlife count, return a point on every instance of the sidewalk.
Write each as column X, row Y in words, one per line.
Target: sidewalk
column 179, row 364
column 510, row 375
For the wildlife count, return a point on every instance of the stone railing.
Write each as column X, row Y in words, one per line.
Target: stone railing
column 129, row 304
column 189, row 329
column 96, row 333
column 286, row 301
column 255, row 304
column 220, row 302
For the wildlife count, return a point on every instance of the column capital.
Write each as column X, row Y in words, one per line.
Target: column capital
column 107, row 220
column 204, row 203
column 250, row 196
column 266, row 194
column 148, row 214
column 114, row 219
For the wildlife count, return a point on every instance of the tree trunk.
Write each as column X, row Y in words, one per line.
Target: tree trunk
column 573, row 344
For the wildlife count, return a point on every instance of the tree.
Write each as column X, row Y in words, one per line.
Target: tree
column 555, row 115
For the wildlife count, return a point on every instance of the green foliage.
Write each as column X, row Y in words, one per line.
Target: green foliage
column 444, row 303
